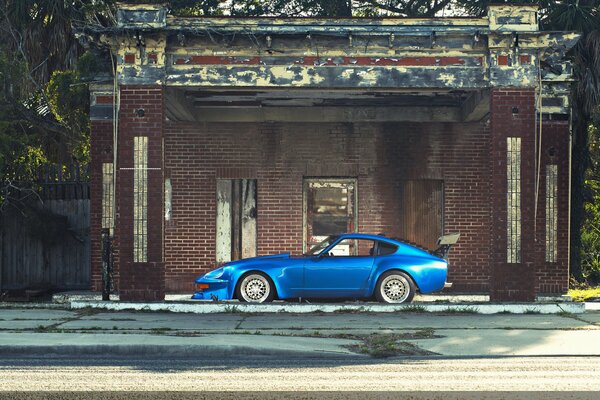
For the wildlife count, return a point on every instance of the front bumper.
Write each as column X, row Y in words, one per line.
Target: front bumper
column 218, row 289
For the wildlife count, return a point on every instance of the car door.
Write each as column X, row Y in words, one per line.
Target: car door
column 343, row 271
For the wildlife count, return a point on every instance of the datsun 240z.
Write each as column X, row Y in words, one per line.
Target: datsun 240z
column 350, row 265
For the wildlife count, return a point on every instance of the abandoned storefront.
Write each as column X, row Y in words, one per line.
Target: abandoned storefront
column 241, row 137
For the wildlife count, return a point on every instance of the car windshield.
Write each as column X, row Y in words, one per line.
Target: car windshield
column 318, row 248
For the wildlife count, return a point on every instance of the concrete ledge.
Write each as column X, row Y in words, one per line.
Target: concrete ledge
column 66, row 297
column 172, row 346
column 201, row 307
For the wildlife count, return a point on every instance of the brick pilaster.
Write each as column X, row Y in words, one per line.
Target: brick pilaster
column 141, row 114
column 101, row 147
column 512, row 115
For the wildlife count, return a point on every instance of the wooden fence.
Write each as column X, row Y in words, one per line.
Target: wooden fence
column 53, row 252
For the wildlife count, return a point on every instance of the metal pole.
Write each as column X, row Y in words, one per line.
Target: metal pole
column 106, row 264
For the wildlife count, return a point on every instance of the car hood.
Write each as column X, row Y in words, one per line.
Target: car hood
column 245, row 260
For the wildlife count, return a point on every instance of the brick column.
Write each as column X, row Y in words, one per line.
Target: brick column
column 141, row 114
column 101, row 147
column 553, row 276
column 512, row 115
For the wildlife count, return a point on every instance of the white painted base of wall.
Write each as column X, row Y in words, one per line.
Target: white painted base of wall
column 206, row 307
column 66, row 297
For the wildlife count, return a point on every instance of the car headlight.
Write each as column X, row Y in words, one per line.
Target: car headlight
column 216, row 274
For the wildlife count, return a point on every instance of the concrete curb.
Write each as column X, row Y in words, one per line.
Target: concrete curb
column 201, row 307
column 163, row 351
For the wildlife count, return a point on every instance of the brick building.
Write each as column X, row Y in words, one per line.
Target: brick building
column 238, row 137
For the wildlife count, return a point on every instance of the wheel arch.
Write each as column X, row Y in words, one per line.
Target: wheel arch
column 252, row 270
column 377, row 277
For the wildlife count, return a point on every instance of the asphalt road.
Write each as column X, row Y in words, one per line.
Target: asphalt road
column 267, row 374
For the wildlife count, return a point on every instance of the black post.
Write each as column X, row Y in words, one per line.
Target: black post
column 106, row 264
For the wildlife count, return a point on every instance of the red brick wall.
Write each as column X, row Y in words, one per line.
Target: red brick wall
column 512, row 281
column 101, row 145
column 279, row 155
column 469, row 158
column 552, row 277
column 140, row 281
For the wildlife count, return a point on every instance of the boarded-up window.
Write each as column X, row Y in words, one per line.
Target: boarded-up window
column 551, row 212
column 140, row 199
column 513, row 200
column 421, row 219
column 236, row 219
column 107, row 196
column 329, row 209
column 168, row 200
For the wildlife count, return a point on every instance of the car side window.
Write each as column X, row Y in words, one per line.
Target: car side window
column 386, row 248
column 353, row 248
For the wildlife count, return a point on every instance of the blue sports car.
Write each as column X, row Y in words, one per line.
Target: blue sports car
column 351, row 265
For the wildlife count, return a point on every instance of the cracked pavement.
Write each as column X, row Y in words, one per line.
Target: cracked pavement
column 453, row 335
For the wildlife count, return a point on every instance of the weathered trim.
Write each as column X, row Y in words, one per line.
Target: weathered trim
column 328, row 61
column 329, row 77
column 316, row 114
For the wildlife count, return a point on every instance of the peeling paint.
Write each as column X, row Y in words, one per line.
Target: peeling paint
column 469, row 53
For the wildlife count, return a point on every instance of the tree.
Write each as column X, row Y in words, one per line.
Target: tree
column 43, row 105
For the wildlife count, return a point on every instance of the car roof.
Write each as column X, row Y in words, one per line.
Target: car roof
column 370, row 237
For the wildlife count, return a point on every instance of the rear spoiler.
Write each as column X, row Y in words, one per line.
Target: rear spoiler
column 445, row 243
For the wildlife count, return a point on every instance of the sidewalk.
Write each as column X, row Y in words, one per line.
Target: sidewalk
column 30, row 332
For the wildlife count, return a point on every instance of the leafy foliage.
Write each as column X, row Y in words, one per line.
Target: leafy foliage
column 43, row 103
column 590, row 230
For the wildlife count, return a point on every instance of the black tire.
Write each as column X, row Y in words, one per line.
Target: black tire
column 255, row 287
column 395, row 287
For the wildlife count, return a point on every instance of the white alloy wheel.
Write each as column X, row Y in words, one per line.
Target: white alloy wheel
column 395, row 287
column 255, row 288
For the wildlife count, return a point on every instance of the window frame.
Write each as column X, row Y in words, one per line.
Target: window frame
column 306, row 181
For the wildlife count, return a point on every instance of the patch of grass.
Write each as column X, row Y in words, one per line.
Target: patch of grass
column 532, row 311
column 360, row 309
column 188, row 334
column 84, row 312
column 565, row 314
column 584, row 294
column 460, row 310
column 41, row 329
column 387, row 345
column 159, row 331
column 413, row 308
column 231, row 309
column 115, row 319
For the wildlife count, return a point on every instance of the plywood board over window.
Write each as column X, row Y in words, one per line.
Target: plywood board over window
column 140, row 199
column 551, row 212
column 421, row 217
column 513, row 200
column 236, row 219
column 107, row 197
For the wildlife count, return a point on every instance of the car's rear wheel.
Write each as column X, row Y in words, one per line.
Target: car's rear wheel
column 255, row 288
column 395, row 287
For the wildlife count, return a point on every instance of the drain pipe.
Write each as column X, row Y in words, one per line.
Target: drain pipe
column 570, row 190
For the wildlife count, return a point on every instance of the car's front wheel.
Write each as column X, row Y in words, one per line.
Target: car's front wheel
column 395, row 287
column 255, row 288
